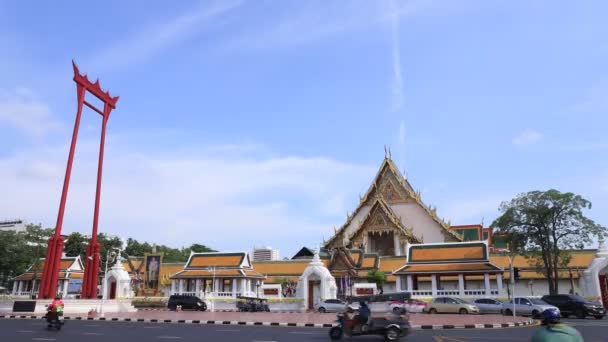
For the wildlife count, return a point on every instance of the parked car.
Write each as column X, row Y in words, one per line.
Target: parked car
column 412, row 305
column 186, row 303
column 451, row 305
column 330, row 305
column 489, row 305
column 526, row 306
column 576, row 305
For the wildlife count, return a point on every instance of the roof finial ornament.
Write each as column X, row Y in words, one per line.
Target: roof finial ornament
column 389, row 152
column 385, row 152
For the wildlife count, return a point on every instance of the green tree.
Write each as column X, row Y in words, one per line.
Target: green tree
column 545, row 226
column 377, row 277
column 107, row 244
column 13, row 260
column 75, row 245
column 36, row 239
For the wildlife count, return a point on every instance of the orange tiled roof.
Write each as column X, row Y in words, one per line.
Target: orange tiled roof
column 74, row 275
column 448, row 268
column 63, row 265
column 217, row 260
column 283, row 268
column 391, row 264
column 37, row 275
column 448, row 252
column 369, row 261
column 580, row 259
column 166, row 270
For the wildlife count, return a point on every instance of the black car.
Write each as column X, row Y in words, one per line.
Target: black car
column 575, row 305
column 186, row 303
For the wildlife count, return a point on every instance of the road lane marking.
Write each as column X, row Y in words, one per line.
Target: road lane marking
column 233, row 330
column 91, row 325
column 43, row 339
column 92, row 333
column 152, row 327
column 25, row 331
column 170, row 337
column 305, row 333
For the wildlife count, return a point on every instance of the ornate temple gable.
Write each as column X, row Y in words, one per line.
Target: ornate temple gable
column 341, row 260
column 381, row 220
column 390, row 186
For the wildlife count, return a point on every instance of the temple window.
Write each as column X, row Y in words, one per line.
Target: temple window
column 382, row 243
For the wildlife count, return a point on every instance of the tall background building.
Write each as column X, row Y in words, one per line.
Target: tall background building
column 16, row 225
column 265, row 254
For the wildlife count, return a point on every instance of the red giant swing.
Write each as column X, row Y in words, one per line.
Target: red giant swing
column 50, row 273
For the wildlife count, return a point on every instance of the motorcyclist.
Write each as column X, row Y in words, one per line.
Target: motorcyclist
column 553, row 330
column 57, row 306
column 363, row 316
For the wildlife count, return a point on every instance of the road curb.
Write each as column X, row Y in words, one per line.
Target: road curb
column 276, row 324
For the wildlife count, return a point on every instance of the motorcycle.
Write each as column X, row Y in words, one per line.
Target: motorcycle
column 53, row 319
column 392, row 328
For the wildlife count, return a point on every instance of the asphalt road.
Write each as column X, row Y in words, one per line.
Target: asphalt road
column 92, row 331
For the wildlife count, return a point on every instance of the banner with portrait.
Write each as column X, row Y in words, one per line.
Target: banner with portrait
column 152, row 275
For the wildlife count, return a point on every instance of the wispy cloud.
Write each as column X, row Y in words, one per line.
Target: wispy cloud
column 20, row 109
column 312, row 21
column 527, row 137
column 181, row 196
column 397, row 83
column 152, row 40
column 401, row 143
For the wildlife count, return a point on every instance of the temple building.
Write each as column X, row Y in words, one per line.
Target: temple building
column 71, row 273
column 392, row 231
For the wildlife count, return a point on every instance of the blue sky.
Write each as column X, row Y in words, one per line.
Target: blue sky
column 246, row 123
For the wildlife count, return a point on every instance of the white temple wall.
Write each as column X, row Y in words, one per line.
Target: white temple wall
column 415, row 217
column 355, row 223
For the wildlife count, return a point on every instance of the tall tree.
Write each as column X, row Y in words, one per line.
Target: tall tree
column 75, row 245
column 378, row 277
column 13, row 260
column 546, row 225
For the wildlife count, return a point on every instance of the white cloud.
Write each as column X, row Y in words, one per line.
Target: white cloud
column 527, row 137
column 311, row 21
column 228, row 202
column 152, row 40
column 19, row 109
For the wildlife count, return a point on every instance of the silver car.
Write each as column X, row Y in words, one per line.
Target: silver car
column 489, row 306
column 526, row 306
column 331, row 305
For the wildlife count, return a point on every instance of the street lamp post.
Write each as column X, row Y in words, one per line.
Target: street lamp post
column 512, row 281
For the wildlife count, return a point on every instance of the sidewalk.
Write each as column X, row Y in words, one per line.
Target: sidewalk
column 313, row 319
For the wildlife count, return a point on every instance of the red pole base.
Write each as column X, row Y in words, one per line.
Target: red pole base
column 50, row 271
column 91, row 271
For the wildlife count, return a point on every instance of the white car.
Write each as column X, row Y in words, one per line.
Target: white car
column 489, row 305
column 527, row 306
column 330, row 305
column 410, row 306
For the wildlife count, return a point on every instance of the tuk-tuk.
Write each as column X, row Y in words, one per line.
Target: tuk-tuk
column 252, row 304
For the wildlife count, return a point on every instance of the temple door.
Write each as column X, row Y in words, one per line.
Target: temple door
column 311, row 295
column 604, row 289
column 113, row 290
